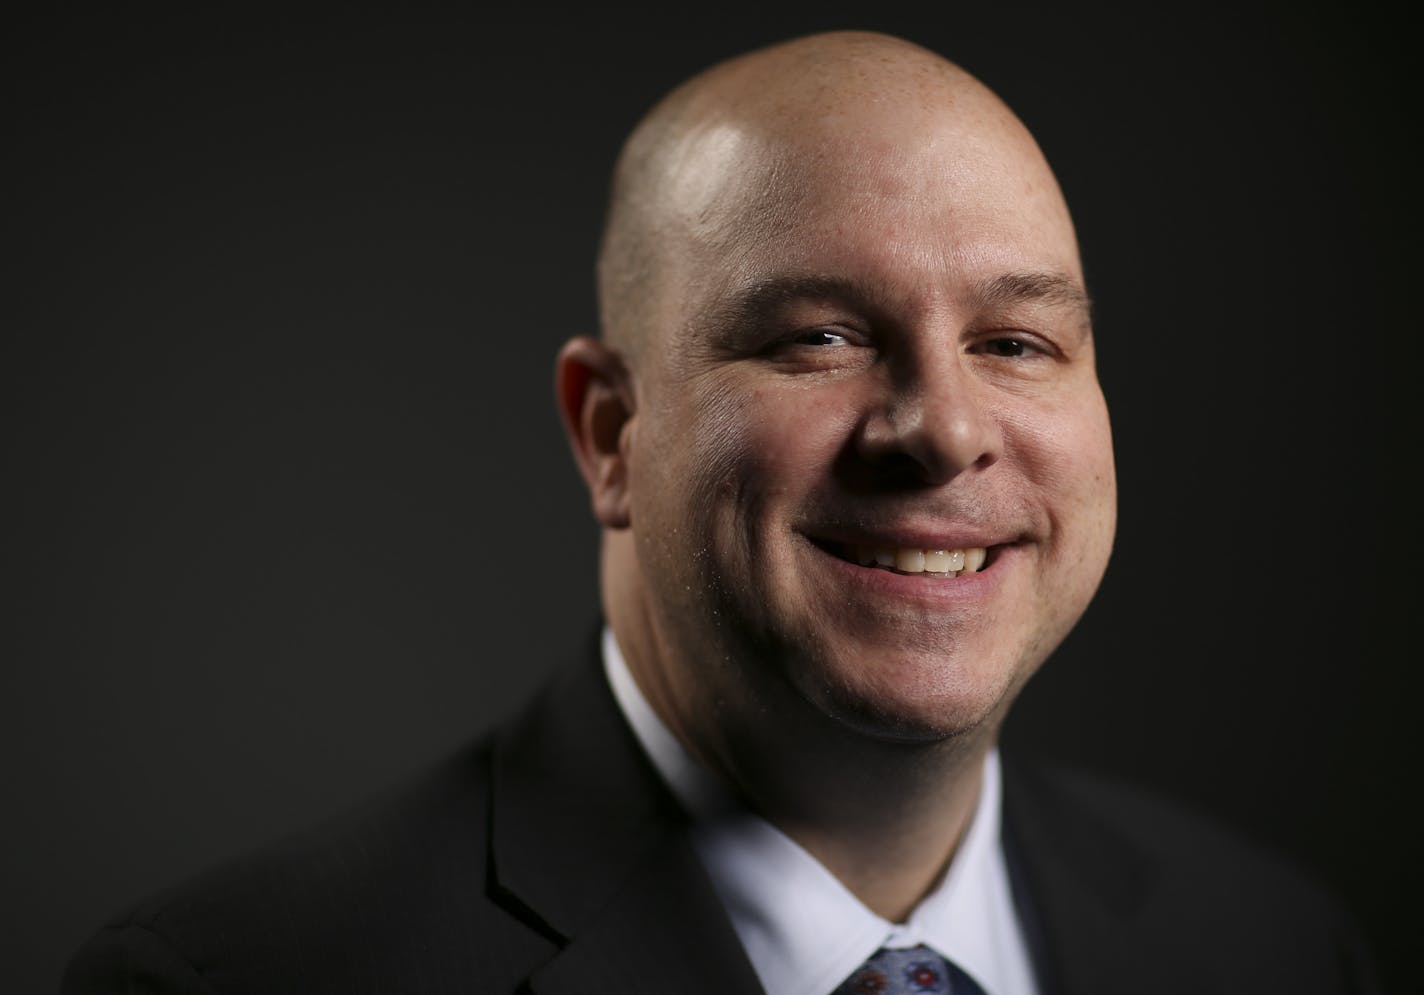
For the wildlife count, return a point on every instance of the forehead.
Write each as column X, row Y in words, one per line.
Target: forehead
column 912, row 201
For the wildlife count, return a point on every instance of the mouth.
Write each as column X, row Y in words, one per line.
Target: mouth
column 943, row 564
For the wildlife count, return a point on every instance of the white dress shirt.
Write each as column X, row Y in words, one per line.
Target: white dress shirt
column 805, row 932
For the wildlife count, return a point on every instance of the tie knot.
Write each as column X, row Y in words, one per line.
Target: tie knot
column 906, row 971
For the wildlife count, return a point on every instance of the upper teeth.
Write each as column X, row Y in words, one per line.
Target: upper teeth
column 944, row 562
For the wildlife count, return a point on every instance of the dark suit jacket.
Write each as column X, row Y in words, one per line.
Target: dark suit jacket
column 551, row 859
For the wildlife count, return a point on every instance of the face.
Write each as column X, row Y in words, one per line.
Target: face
column 871, row 367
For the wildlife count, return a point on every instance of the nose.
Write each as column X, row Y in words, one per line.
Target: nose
column 933, row 424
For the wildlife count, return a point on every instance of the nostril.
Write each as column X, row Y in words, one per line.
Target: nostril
column 930, row 441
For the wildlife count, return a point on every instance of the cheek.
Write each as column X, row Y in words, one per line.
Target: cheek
column 1064, row 448
column 1065, row 454
column 756, row 444
column 800, row 431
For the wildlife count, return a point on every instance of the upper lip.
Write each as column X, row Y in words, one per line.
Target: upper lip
column 915, row 536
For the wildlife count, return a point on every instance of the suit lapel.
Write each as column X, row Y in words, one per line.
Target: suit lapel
column 1079, row 887
column 589, row 847
column 656, row 935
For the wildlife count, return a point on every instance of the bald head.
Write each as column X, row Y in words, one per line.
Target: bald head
column 732, row 157
column 849, row 297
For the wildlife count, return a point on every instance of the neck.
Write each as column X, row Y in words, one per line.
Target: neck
column 884, row 817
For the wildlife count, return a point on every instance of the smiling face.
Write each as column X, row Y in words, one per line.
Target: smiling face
column 868, row 360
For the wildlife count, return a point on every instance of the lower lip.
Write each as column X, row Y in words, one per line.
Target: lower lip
column 924, row 587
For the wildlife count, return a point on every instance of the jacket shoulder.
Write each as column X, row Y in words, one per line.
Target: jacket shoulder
column 1172, row 890
column 368, row 896
column 1172, row 836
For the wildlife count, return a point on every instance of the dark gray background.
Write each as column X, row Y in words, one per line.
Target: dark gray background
column 289, row 512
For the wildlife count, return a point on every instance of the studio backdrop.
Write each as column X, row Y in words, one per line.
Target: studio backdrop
column 290, row 513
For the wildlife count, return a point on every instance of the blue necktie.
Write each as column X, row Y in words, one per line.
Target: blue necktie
column 906, row 971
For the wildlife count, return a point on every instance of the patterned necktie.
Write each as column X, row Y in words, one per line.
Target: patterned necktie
column 905, row 971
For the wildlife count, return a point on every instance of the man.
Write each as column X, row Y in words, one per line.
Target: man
column 853, row 467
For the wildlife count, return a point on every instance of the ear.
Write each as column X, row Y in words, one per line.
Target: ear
column 595, row 396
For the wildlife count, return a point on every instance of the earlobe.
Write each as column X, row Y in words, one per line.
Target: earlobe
column 595, row 397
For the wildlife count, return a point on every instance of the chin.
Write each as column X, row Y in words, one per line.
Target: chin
column 908, row 703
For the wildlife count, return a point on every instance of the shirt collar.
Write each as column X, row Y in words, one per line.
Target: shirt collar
column 803, row 930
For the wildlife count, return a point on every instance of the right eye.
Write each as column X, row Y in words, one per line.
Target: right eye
column 820, row 337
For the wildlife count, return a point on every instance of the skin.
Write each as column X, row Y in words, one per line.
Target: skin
column 842, row 304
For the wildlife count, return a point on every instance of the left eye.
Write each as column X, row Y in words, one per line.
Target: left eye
column 1008, row 347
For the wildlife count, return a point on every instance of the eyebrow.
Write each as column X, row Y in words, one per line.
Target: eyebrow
column 1053, row 289
column 765, row 297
